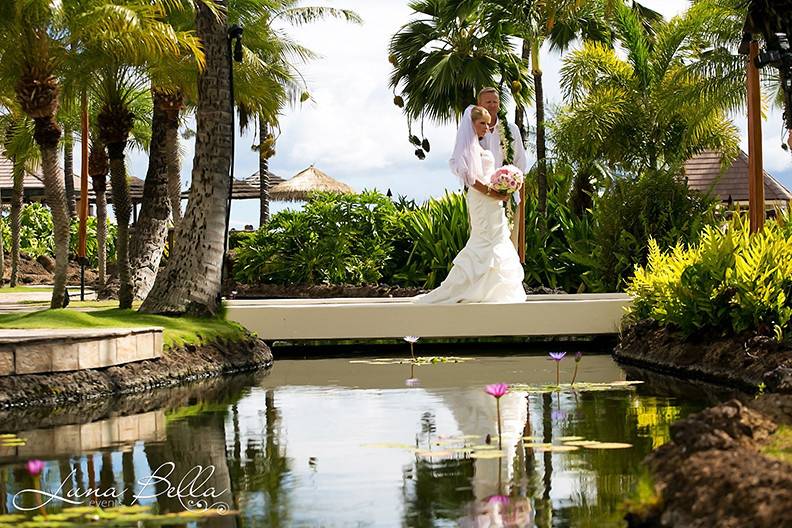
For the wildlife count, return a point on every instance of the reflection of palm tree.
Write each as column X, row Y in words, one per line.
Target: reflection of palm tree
column 264, row 471
column 198, row 440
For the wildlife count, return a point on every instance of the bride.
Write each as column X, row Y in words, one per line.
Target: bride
column 488, row 268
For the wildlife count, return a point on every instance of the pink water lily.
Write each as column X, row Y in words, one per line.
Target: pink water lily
column 34, row 467
column 497, row 390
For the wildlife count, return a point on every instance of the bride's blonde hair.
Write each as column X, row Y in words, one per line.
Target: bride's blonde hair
column 480, row 112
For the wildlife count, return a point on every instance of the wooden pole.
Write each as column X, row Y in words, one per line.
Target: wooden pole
column 521, row 226
column 756, row 205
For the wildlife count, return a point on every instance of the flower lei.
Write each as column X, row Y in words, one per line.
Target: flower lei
column 507, row 149
column 506, row 139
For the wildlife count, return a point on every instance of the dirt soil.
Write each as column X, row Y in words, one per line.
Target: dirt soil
column 177, row 365
column 33, row 273
column 748, row 362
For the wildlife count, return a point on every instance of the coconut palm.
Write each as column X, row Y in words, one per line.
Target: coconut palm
column 190, row 281
column 98, row 169
column 647, row 111
column 445, row 54
column 268, row 81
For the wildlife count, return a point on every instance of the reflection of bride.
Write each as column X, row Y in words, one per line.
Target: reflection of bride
column 488, row 268
column 499, row 511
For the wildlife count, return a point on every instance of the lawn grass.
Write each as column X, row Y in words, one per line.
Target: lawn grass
column 780, row 445
column 26, row 289
column 177, row 330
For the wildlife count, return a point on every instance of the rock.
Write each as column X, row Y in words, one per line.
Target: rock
column 712, row 474
column 47, row 262
column 779, row 379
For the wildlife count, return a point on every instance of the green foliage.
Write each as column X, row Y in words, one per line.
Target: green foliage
column 438, row 231
column 36, row 234
column 335, row 239
column 632, row 211
column 729, row 282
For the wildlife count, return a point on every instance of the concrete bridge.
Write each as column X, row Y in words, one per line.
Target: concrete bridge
column 382, row 318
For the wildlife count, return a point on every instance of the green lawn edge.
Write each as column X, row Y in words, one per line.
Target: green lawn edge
column 177, row 331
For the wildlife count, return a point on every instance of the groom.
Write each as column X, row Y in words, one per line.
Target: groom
column 496, row 141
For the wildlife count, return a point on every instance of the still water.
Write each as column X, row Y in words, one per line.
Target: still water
column 339, row 442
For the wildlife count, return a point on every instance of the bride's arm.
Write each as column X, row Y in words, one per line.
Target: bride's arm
column 480, row 187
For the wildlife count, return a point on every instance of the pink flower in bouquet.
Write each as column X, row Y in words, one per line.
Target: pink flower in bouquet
column 507, row 179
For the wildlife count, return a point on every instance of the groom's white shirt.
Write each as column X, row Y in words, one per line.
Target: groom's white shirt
column 492, row 141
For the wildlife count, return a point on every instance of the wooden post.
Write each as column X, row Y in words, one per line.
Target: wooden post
column 83, row 212
column 756, row 205
column 521, row 226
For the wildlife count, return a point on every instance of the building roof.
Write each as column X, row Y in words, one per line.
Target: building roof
column 34, row 184
column 246, row 189
column 705, row 173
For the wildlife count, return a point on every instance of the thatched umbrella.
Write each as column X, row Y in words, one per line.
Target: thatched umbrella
column 311, row 180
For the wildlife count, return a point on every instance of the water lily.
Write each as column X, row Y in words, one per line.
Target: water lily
column 578, row 357
column 557, row 357
column 498, row 499
column 34, row 467
column 497, row 390
column 412, row 340
column 412, row 382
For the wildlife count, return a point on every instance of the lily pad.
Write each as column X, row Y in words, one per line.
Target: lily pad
column 386, row 445
column 558, row 448
column 433, row 454
column 608, row 445
column 570, row 438
column 581, row 443
column 486, row 454
column 536, row 444
column 484, row 447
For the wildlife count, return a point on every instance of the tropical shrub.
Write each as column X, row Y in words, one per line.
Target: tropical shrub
column 633, row 210
column 335, row 239
column 435, row 233
column 36, row 234
column 729, row 282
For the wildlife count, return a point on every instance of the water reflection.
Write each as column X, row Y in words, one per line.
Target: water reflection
column 294, row 448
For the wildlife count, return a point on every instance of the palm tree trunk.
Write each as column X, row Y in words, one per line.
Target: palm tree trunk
column 17, row 196
column 173, row 158
column 264, row 182
column 191, row 279
column 519, row 112
column 47, row 135
column 123, row 210
column 541, row 148
column 101, row 237
column 151, row 229
column 97, row 167
column 68, row 171
column 2, row 249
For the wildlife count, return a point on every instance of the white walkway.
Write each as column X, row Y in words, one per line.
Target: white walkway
column 369, row 318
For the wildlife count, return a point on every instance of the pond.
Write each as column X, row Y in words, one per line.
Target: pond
column 352, row 442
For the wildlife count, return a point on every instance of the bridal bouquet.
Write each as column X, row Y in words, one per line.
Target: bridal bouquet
column 507, row 179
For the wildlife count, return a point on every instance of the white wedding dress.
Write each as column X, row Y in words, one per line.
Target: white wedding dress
column 488, row 268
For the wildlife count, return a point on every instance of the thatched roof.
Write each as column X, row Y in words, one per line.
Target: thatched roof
column 704, row 172
column 300, row 187
column 247, row 189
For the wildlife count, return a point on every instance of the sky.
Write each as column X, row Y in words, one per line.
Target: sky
column 352, row 130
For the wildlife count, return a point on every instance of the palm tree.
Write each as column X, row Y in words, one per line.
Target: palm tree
column 649, row 111
column 29, row 61
column 268, row 81
column 445, row 55
column 98, row 168
column 16, row 132
column 191, row 278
